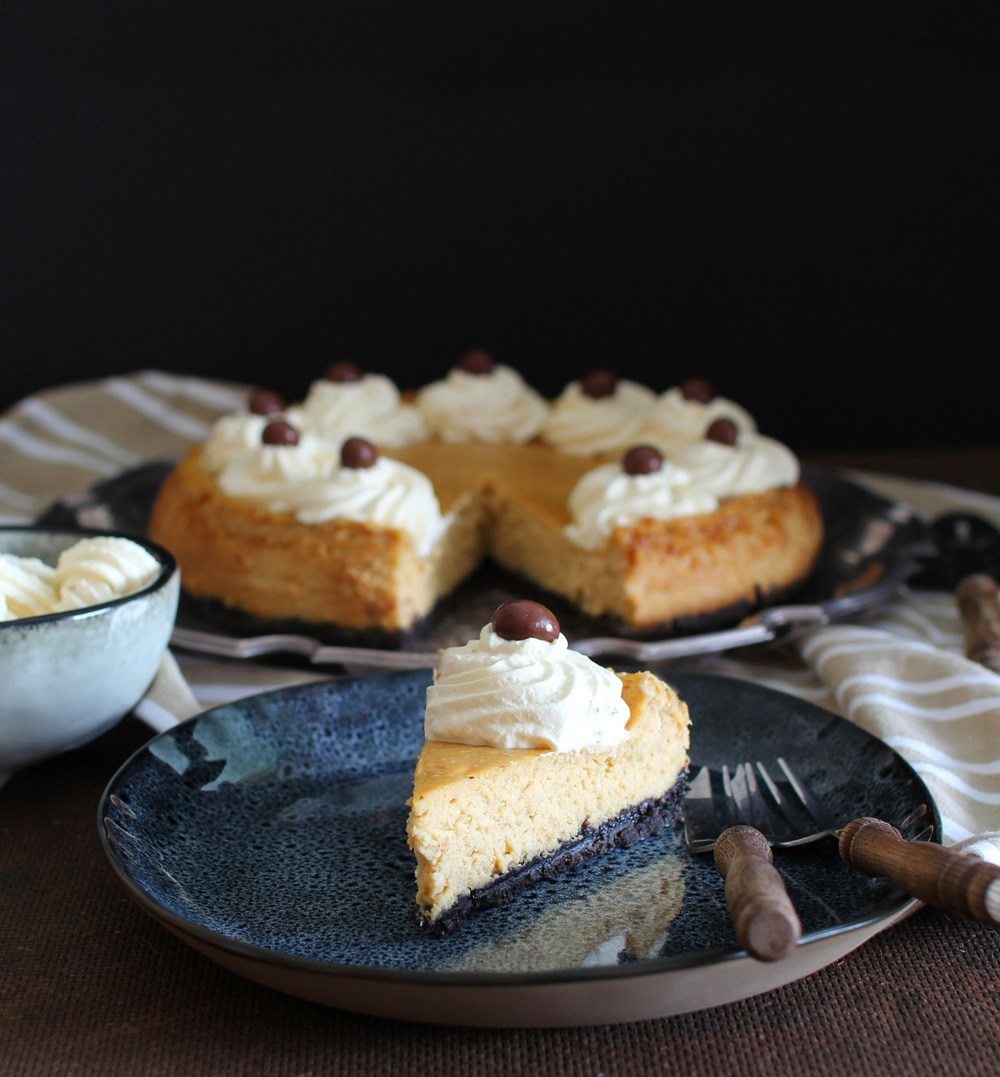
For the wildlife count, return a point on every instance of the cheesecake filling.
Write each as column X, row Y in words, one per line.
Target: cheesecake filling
column 482, row 816
column 496, row 406
column 677, row 420
column 751, row 466
column 608, row 498
column 370, row 407
column 584, row 425
column 525, row 693
column 89, row 573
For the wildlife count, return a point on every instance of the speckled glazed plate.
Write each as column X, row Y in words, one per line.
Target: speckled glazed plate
column 269, row 834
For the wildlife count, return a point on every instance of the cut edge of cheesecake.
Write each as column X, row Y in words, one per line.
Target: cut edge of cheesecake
column 348, row 581
column 488, row 823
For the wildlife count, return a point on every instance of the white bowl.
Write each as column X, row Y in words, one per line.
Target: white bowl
column 67, row 677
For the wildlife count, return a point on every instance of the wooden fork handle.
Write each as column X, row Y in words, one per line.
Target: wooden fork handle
column 766, row 923
column 959, row 882
column 978, row 600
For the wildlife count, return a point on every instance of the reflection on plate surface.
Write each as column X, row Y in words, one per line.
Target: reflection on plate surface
column 279, row 822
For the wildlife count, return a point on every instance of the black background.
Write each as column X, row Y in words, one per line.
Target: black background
column 796, row 200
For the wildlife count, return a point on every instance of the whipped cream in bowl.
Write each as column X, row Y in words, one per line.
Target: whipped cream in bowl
column 493, row 404
column 98, row 570
column 27, row 587
column 585, row 424
column 84, row 622
column 529, row 692
column 368, row 405
column 616, row 495
column 678, row 419
column 90, row 572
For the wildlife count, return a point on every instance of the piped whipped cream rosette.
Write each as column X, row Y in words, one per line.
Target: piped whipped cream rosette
column 740, row 463
column 482, row 400
column 239, row 433
column 28, row 586
column 520, row 686
column 231, row 437
column 642, row 486
column 272, row 468
column 89, row 573
column 348, row 402
column 98, row 570
column 600, row 413
column 303, row 475
column 683, row 414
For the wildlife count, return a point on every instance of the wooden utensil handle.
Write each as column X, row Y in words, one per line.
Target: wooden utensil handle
column 979, row 604
column 958, row 882
column 766, row 923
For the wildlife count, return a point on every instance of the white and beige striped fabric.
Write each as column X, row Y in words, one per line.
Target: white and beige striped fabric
column 901, row 676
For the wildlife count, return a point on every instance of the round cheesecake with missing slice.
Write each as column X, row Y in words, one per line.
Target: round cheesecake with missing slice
column 536, row 759
column 283, row 532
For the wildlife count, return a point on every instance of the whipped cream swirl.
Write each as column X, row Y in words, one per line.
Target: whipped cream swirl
column 675, row 421
column 528, row 693
column 91, row 572
column 582, row 425
column 369, row 408
column 606, row 498
column 27, row 586
column 754, row 464
column 495, row 407
column 231, row 437
column 97, row 570
column 266, row 472
column 308, row 480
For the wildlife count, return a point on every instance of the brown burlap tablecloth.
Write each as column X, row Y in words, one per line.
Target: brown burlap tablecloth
column 90, row 985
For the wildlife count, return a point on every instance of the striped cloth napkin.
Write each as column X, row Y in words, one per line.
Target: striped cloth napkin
column 901, row 676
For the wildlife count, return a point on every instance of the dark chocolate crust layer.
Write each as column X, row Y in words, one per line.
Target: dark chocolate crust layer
column 623, row 831
column 463, row 613
column 248, row 624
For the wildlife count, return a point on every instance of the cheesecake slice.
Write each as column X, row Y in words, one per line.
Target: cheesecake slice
column 601, row 761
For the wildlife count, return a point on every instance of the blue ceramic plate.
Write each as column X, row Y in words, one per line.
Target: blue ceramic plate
column 270, row 834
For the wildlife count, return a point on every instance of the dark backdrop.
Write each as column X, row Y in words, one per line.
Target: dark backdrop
column 796, row 200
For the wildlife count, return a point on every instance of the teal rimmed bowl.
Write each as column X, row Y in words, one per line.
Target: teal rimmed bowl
column 67, row 677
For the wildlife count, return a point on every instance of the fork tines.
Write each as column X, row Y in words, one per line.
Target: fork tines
column 775, row 802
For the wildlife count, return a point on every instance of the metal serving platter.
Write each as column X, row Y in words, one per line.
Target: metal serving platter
column 871, row 547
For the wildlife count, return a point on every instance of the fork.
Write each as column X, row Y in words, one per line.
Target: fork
column 780, row 811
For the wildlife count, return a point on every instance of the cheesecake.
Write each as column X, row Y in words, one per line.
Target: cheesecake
column 535, row 760
column 319, row 552
column 601, row 498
